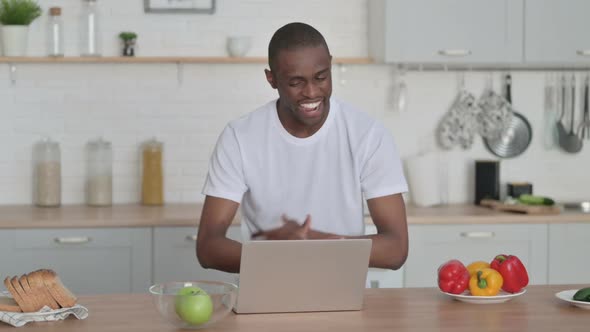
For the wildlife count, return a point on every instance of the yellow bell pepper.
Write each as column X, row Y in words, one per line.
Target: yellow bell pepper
column 475, row 266
column 485, row 282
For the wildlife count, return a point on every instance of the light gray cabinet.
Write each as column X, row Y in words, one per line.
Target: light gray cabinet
column 175, row 257
column 89, row 261
column 557, row 31
column 432, row 245
column 568, row 253
column 446, row 31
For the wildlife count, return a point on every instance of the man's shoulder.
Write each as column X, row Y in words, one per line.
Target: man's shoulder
column 259, row 118
column 353, row 117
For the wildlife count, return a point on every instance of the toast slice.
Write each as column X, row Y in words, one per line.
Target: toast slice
column 18, row 294
column 35, row 280
column 9, row 304
column 36, row 301
column 56, row 288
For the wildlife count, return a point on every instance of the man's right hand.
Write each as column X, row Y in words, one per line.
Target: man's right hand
column 290, row 230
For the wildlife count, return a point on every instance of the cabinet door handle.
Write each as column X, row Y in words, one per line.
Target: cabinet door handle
column 478, row 235
column 454, row 52
column 72, row 240
column 191, row 238
column 583, row 52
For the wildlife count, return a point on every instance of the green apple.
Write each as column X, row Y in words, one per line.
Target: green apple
column 193, row 305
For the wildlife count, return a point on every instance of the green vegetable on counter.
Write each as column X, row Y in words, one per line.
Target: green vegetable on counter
column 582, row 295
column 535, row 200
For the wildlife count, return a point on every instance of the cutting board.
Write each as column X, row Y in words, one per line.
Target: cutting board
column 520, row 208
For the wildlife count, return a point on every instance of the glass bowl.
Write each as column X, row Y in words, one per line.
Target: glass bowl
column 186, row 307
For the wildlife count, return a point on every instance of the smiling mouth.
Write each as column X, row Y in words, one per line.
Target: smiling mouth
column 310, row 109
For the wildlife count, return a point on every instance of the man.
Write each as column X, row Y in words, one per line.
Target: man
column 300, row 165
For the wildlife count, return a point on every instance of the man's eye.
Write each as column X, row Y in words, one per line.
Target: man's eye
column 295, row 83
column 321, row 78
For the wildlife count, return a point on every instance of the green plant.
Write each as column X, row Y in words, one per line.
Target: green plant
column 127, row 36
column 18, row 12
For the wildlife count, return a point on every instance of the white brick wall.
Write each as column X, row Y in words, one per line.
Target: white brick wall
column 128, row 104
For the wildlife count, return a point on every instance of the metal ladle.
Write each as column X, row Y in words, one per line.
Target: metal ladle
column 570, row 141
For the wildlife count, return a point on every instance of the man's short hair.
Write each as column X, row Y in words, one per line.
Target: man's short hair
column 293, row 36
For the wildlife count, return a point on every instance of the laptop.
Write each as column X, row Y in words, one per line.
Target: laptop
column 302, row 275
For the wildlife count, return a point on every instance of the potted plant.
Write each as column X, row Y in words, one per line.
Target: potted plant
column 15, row 17
column 129, row 39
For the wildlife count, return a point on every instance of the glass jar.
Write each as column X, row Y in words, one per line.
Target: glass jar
column 90, row 29
column 152, row 178
column 47, row 173
column 99, row 173
column 55, row 37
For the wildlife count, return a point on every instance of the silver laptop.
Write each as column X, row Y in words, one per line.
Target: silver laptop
column 302, row 275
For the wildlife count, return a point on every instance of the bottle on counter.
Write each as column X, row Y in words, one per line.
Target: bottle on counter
column 55, row 36
column 47, row 173
column 99, row 173
column 90, row 38
column 152, row 177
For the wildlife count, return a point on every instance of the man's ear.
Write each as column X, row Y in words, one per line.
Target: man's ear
column 270, row 79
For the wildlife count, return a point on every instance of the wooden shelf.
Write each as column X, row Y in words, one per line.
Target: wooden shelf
column 161, row 59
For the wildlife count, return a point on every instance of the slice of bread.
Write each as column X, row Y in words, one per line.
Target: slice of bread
column 56, row 288
column 35, row 299
column 15, row 295
column 35, row 280
column 9, row 304
column 26, row 303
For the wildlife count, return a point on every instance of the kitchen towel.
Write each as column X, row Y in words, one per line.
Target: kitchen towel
column 19, row 319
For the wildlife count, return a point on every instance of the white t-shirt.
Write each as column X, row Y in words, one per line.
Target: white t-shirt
column 257, row 163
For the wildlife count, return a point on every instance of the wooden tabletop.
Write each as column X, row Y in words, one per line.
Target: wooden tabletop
column 404, row 309
column 176, row 214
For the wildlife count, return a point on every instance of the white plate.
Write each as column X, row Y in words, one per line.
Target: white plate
column 568, row 296
column 500, row 298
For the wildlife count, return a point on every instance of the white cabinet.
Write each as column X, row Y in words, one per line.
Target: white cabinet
column 446, row 31
column 383, row 278
column 556, row 31
column 175, row 256
column 89, row 261
column 432, row 245
column 568, row 253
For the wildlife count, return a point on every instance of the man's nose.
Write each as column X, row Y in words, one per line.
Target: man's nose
column 311, row 90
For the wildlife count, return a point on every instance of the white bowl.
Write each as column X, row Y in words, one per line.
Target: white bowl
column 238, row 46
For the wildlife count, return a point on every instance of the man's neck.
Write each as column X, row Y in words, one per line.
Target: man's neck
column 294, row 126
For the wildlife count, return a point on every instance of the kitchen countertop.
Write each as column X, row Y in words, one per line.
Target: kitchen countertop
column 403, row 309
column 135, row 215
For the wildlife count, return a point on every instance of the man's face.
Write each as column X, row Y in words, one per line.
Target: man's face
column 303, row 79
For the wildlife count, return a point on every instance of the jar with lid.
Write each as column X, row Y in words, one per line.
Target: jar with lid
column 152, row 178
column 55, row 33
column 90, row 38
column 99, row 173
column 46, row 173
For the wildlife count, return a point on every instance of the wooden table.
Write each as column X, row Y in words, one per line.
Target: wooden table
column 407, row 309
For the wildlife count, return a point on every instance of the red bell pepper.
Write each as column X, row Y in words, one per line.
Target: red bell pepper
column 513, row 272
column 453, row 277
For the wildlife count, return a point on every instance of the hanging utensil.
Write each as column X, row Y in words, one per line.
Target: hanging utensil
column 584, row 127
column 570, row 142
column 561, row 131
column 495, row 111
column 550, row 134
column 515, row 137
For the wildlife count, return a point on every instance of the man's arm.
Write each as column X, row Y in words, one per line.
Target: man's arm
column 390, row 244
column 214, row 249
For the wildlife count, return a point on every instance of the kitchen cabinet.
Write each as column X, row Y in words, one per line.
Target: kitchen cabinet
column 88, row 260
column 449, row 31
column 432, row 245
column 383, row 278
column 568, row 253
column 175, row 255
column 556, row 31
